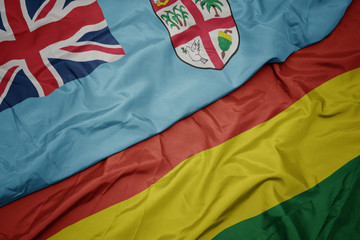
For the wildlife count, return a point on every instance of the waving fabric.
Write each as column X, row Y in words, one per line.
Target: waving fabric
column 292, row 129
column 84, row 106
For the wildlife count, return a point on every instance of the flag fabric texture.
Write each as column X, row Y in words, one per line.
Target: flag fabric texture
column 40, row 52
column 106, row 105
column 278, row 158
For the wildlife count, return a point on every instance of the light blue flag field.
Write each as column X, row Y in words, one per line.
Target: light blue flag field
column 81, row 80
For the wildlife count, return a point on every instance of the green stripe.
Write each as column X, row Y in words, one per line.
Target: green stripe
column 330, row 210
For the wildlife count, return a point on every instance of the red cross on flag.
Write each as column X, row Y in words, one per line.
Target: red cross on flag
column 203, row 32
column 43, row 43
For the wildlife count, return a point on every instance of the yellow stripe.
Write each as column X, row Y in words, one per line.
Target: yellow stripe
column 244, row 176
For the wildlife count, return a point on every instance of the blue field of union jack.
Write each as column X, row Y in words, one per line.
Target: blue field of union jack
column 47, row 43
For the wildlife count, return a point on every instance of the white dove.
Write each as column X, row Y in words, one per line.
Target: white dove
column 194, row 52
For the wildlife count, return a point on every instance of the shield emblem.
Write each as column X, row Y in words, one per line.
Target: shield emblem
column 203, row 32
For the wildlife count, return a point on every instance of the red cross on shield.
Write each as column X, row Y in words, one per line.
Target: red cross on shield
column 203, row 32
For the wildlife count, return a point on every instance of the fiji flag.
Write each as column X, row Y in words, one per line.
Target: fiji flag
column 47, row 43
column 181, row 55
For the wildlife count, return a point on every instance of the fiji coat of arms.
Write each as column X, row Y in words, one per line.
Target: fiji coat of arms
column 203, row 32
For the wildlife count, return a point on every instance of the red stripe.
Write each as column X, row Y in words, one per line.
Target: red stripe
column 193, row 31
column 28, row 44
column 47, row 8
column 274, row 88
column 195, row 12
column 59, row 30
column 86, row 48
column 5, row 80
column 204, row 27
column 211, row 51
column 15, row 17
column 37, row 67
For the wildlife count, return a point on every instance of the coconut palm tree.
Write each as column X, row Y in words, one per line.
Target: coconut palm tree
column 215, row 4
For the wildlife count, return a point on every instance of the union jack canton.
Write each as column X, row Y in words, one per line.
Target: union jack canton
column 47, row 43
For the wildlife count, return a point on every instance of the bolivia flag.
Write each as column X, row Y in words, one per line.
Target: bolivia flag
column 278, row 158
